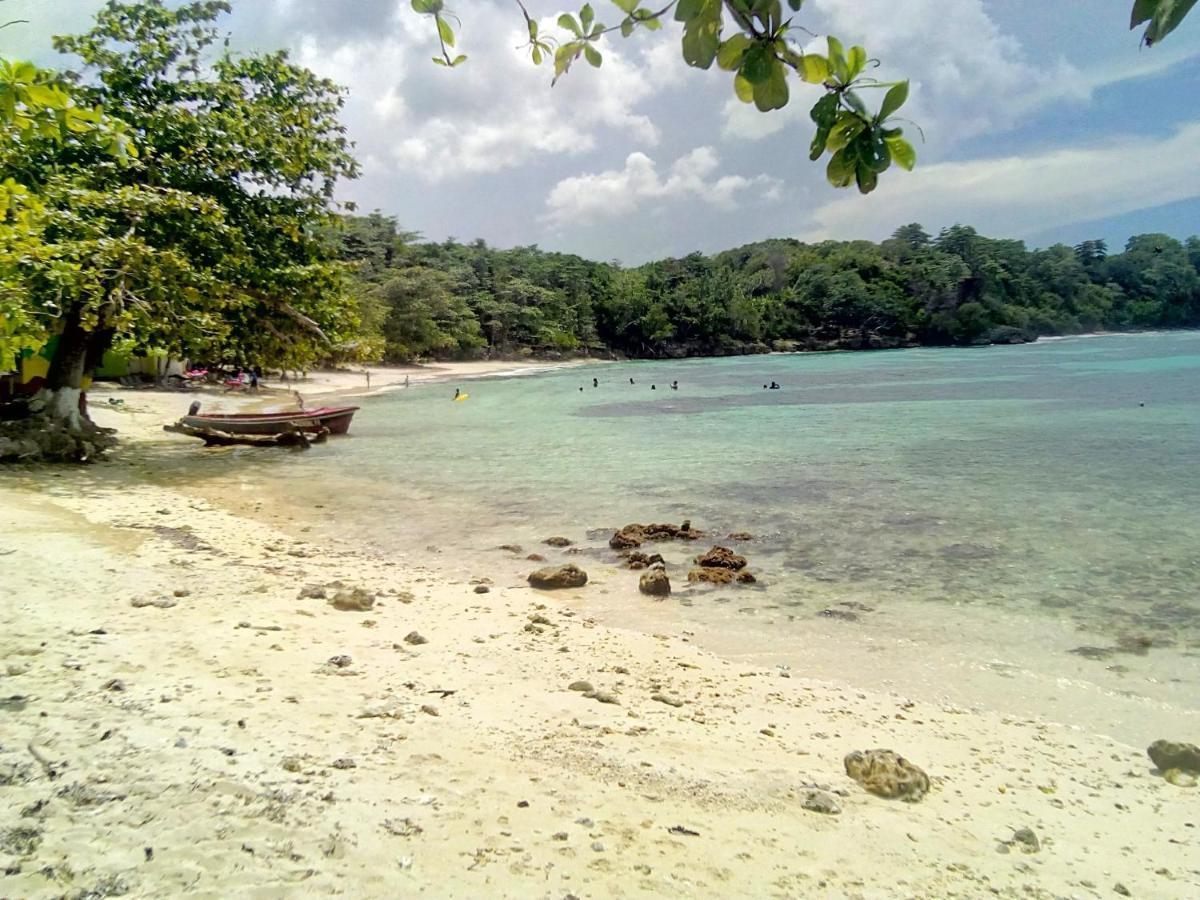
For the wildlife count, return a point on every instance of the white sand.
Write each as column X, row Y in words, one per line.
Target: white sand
column 511, row 785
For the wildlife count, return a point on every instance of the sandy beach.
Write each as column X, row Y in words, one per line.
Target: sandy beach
column 183, row 710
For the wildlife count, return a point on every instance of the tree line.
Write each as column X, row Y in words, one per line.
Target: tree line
column 424, row 299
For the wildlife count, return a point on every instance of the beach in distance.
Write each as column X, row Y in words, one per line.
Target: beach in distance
column 257, row 672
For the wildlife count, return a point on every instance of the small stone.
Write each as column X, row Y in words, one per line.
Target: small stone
column 721, row 558
column 886, row 773
column 559, row 836
column 114, row 684
column 667, row 699
column 429, row 710
column 583, row 686
column 603, row 697
column 292, row 764
column 523, row 804
column 17, row 668
column 585, row 822
column 1175, row 755
column 344, row 762
column 414, row 637
column 482, row 589
column 341, row 661
column 597, row 846
column 558, row 542
column 1027, row 839
column 535, row 557
column 181, row 592
column 313, row 592
column 159, row 602
column 819, row 801
column 356, row 600
column 741, row 536
column 1119, row 888
column 512, row 548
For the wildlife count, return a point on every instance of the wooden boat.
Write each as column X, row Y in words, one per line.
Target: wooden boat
column 328, row 419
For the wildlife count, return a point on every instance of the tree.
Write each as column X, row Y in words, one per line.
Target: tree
column 210, row 242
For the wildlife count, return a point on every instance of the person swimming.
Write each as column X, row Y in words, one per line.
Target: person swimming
column 631, row 381
column 774, row 386
column 674, row 385
column 652, row 387
column 595, row 382
column 457, row 393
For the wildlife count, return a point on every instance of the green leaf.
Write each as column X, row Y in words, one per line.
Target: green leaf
column 729, row 57
column 445, row 32
column 756, row 63
column 586, row 17
column 650, row 22
column 592, row 55
column 814, row 69
column 772, row 93
column 427, row 7
column 458, row 60
column 856, row 103
column 533, row 29
column 700, row 43
column 866, row 177
column 567, row 21
column 626, row 6
column 795, row 5
column 848, row 127
column 627, row 28
column 743, row 88
column 856, row 61
column 1167, row 16
column 686, row 10
column 439, row 61
column 893, row 100
column 902, row 152
column 841, row 169
column 1143, row 11
column 536, row 53
column 837, row 60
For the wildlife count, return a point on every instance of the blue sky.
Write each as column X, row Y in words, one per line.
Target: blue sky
column 1043, row 121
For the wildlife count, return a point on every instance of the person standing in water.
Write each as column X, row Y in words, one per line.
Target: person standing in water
column 595, row 382
column 457, row 392
column 674, row 385
column 631, row 381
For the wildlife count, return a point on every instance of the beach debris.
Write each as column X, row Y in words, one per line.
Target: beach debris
column 340, row 661
column 721, row 558
column 1119, row 888
column 679, row 829
column 51, row 769
column 355, row 600
column 559, row 836
column 553, row 577
column 667, row 699
column 113, row 684
column 818, row 801
column 415, row 638
column 655, row 583
column 443, row 692
column 313, row 592
column 159, row 602
column 558, row 541
column 710, row 576
column 842, row 615
column 1167, row 755
column 391, row 708
column 405, row 827
column 886, row 773
column 582, row 686
column 603, row 697
column 1179, row 778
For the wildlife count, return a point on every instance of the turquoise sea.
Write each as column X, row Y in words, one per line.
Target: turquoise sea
column 1015, row 526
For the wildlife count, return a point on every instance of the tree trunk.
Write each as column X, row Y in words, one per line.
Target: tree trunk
column 62, row 398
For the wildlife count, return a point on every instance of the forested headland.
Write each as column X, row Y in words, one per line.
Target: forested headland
column 422, row 299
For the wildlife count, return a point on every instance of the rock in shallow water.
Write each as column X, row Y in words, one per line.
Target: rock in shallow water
column 886, row 773
column 553, row 577
column 655, row 583
column 721, row 558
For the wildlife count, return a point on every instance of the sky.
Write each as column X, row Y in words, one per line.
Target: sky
column 1042, row 121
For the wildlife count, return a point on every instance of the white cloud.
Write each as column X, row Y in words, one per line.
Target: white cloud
column 621, row 192
column 1020, row 195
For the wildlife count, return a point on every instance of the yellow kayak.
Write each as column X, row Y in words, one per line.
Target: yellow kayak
column 461, row 397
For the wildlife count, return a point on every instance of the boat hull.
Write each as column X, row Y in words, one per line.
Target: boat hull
column 334, row 419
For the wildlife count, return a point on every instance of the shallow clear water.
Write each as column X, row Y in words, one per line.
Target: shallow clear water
column 994, row 507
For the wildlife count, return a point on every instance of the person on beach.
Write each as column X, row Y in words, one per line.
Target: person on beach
column 299, row 400
column 254, row 379
column 457, row 393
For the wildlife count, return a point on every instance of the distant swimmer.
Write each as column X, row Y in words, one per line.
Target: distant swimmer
column 652, row 387
column 631, row 381
column 674, row 385
column 581, row 389
column 595, row 382
column 457, row 393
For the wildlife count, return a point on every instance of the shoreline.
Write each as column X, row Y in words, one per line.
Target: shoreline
column 161, row 659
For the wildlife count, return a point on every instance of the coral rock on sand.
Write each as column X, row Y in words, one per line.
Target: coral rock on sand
column 632, row 535
column 887, row 774
column 623, row 541
column 819, row 801
column 655, row 582
column 558, row 542
column 721, row 558
column 356, row 600
column 711, row 576
column 1175, row 755
column 551, row 577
